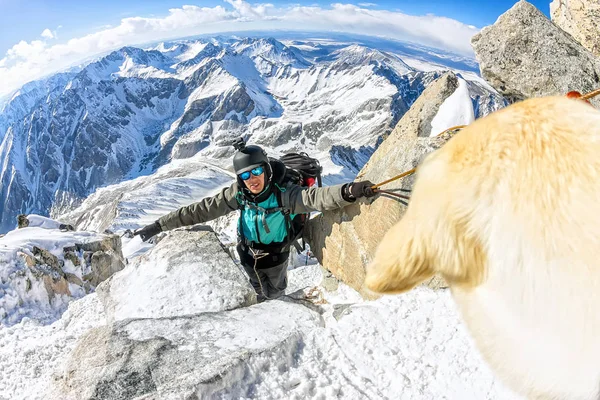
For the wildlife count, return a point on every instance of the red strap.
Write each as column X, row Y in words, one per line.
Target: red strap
column 573, row 94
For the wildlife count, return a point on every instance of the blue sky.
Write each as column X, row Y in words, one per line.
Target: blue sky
column 41, row 36
column 78, row 17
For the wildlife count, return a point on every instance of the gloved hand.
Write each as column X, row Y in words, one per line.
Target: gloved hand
column 356, row 190
column 148, row 231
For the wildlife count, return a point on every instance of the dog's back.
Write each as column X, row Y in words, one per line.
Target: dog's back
column 508, row 211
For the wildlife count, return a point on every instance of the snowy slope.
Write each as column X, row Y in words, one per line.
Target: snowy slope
column 30, row 352
column 138, row 202
column 410, row 346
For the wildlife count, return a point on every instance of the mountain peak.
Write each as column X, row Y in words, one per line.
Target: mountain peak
column 356, row 55
column 271, row 50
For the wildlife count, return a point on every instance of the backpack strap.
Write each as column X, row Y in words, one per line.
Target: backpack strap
column 292, row 237
column 284, row 211
column 265, row 212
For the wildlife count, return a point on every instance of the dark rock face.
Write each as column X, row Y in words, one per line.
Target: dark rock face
column 80, row 137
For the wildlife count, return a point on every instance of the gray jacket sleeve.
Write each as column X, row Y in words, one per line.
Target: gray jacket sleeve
column 205, row 210
column 304, row 200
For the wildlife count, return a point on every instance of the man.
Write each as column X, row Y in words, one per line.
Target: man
column 268, row 204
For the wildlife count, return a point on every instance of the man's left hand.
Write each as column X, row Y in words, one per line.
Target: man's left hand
column 361, row 189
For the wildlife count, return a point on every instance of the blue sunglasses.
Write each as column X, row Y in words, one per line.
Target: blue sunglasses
column 258, row 171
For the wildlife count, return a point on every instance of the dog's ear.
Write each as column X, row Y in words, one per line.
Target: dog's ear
column 416, row 248
column 461, row 256
column 401, row 262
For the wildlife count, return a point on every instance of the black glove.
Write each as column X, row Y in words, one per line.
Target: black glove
column 148, row 231
column 355, row 190
column 66, row 227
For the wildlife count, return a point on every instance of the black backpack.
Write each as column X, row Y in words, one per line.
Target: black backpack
column 302, row 170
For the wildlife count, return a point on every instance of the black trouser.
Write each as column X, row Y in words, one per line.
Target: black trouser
column 270, row 279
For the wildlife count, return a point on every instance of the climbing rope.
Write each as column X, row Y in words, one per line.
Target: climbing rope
column 388, row 192
column 396, row 196
column 257, row 256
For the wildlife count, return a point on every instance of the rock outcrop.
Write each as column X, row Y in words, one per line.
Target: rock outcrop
column 171, row 273
column 191, row 357
column 38, row 277
column 525, row 55
column 580, row 19
column 182, row 324
column 344, row 241
column 22, row 221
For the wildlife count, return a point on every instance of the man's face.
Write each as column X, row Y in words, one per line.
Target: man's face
column 255, row 183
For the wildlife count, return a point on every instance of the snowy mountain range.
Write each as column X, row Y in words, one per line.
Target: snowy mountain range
column 128, row 113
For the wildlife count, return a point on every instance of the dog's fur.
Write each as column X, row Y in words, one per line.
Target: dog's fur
column 508, row 212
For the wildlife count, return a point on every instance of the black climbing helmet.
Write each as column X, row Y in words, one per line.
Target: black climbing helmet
column 248, row 157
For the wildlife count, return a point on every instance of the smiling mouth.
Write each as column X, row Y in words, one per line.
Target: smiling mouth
column 255, row 186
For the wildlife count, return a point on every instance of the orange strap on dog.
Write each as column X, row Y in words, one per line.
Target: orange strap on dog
column 574, row 94
column 591, row 94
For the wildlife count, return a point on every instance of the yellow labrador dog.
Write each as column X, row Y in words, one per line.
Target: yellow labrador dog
column 508, row 212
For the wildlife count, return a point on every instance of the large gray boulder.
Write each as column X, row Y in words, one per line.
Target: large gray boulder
column 183, row 323
column 344, row 241
column 525, row 55
column 186, row 273
column 192, row 357
column 579, row 18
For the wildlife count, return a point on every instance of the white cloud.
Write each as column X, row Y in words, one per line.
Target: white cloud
column 47, row 34
column 367, row 4
column 30, row 60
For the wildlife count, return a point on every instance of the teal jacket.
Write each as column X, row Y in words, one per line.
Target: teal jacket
column 264, row 222
column 295, row 200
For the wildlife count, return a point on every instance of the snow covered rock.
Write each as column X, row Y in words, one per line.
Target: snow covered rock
column 345, row 240
column 138, row 202
column 42, row 270
column 579, row 18
column 187, row 273
column 525, row 55
column 183, row 357
column 24, row 221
